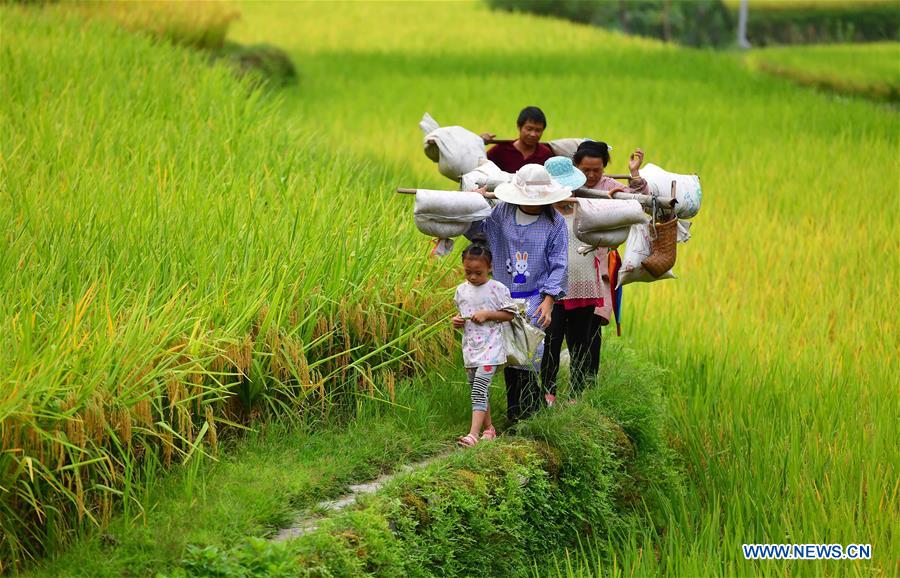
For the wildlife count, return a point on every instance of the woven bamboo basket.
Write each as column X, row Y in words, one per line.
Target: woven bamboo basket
column 662, row 248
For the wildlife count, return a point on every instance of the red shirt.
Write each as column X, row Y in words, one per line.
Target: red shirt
column 509, row 159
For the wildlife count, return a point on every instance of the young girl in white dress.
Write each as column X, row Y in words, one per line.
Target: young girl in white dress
column 484, row 304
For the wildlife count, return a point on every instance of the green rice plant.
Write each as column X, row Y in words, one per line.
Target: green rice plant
column 867, row 70
column 779, row 344
column 175, row 262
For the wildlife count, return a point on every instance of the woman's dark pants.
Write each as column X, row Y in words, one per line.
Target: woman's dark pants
column 523, row 393
column 580, row 328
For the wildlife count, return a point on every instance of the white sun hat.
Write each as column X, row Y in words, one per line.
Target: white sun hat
column 532, row 186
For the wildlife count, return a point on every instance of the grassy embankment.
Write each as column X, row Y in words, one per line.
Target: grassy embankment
column 781, row 351
column 867, row 70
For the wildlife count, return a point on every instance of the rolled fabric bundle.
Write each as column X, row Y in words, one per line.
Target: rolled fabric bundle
column 609, row 238
column 565, row 147
column 440, row 229
column 452, row 206
column 448, row 214
column 607, row 214
column 487, row 171
column 455, row 149
column 687, row 189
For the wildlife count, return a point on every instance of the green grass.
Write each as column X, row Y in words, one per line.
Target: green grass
column 868, row 70
column 780, row 346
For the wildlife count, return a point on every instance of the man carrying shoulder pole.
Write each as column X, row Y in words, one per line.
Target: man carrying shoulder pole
column 527, row 149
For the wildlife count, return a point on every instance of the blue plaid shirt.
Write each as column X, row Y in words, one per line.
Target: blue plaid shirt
column 529, row 259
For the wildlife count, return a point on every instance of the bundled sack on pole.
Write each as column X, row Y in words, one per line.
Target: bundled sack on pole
column 595, row 239
column 605, row 222
column 606, row 214
column 448, row 214
column 456, row 150
column 687, row 189
column 637, row 249
column 565, row 147
column 486, row 171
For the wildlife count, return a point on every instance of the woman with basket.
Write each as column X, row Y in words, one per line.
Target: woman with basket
column 588, row 303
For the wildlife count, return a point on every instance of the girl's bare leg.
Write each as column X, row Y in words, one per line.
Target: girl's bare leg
column 477, row 421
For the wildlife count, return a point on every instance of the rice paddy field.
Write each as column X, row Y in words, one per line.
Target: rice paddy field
column 868, row 70
column 173, row 236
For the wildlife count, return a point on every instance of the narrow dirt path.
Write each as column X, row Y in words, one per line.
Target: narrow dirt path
column 310, row 519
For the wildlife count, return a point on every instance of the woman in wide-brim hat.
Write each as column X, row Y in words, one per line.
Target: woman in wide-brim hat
column 529, row 241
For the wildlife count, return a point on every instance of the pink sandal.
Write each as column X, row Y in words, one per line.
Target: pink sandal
column 467, row 440
column 489, row 434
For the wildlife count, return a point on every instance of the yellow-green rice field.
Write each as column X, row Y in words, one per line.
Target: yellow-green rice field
column 177, row 243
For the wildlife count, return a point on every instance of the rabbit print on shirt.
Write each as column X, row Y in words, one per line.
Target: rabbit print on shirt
column 521, row 276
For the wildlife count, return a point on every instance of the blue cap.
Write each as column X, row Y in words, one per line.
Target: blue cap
column 564, row 172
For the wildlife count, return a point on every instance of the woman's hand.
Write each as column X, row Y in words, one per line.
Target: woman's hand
column 617, row 189
column 635, row 162
column 487, row 136
column 458, row 322
column 544, row 311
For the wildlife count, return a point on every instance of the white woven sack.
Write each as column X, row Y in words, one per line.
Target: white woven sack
column 606, row 214
column 684, row 231
column 441, row 229
column 486, row 171
column 687, row 189
column 448, row 214
column 565, row 147
column 610, row 238
column 452, row 206
column 637, row 248
column 456, row 150
column 428, row 124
